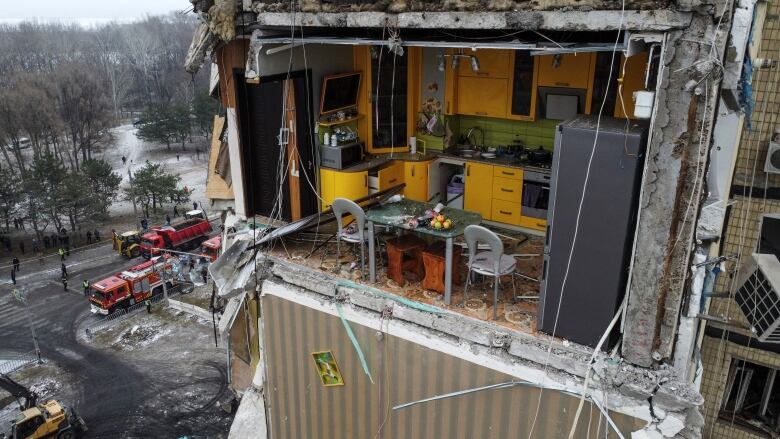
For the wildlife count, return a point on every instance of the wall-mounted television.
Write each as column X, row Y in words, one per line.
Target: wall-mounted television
column 339, row 92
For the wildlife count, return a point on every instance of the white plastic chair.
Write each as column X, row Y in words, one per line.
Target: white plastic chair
column 491, row 262
column 341, row 207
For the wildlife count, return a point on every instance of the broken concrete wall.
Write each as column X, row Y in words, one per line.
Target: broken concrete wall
column 399, row 6
column 672, row 188
column 659, row 397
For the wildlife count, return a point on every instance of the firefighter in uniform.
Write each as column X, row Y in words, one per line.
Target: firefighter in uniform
column 85, row 284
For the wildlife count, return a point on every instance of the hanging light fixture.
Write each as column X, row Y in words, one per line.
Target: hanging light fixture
column 474, row 63
column 441, row 63
column 455, row 62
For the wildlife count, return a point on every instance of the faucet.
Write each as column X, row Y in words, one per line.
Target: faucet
column 482, row 137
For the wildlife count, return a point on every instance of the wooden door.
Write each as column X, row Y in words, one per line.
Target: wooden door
column 478, row 194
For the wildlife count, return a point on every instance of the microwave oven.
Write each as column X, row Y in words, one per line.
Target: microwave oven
column 341, row 156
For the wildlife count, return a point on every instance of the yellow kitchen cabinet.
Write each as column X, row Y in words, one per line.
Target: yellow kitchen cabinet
column 450, row 86
column 493, row 63
column 633, row 79
column 507, row 189
column 337, row 184
column 532, row 223
column 327, row 188
column 566, row 70
column 521, row 98
column 416, row 179
column 478, row 196
column 506, row 212
column 507, row 172
column 352, row 185
column 482, row 96
column 391, row 175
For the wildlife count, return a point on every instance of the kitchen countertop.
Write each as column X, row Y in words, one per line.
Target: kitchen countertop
column 375, row 161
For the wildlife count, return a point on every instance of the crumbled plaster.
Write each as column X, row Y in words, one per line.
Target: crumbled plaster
column 399, row 6
column 652, row 395
column 671, row 192
column 600, row 20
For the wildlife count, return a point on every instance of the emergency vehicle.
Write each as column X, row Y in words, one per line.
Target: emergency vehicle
column 210, row 248
column 134, row 285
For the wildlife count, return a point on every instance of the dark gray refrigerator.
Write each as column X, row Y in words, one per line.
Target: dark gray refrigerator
column 598, row 271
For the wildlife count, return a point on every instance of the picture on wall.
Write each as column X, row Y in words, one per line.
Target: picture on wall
column 327, row 369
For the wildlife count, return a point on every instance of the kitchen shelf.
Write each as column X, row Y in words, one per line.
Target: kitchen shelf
column 340, row 122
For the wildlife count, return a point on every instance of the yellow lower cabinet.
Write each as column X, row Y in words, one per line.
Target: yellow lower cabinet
column 507, row 189
column 327, row 188
column 351, row 185
column 391, row 175
column 478, row 196
column 416, row 179
column 507, row 212
column 533, row 223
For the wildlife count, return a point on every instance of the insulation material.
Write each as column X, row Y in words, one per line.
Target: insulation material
column 220, row 181
column 222, row 19
column 202, row 43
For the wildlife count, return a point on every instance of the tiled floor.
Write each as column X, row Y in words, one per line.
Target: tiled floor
column 519, row 315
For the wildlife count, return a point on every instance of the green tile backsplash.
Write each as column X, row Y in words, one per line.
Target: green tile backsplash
column 504, row 131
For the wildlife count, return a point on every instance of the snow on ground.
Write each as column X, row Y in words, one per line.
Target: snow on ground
column 193, row 171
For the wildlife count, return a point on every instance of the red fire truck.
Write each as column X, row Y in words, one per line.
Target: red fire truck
column 184, row 235
column 129, row 287
column 210, row 248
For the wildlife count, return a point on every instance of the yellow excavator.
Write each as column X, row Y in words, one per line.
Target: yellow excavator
column 128, row 244
column 49, row 419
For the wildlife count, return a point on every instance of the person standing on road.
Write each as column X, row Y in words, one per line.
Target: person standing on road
column 175, row 210
column 64, row 270
column 21, row 246
column 61, row 252
column 16, row 263
column 194, row 205
column 97, row 235
column 13, row 276
column 36, row 247
column 85, row 284
column 89, row 237
column 148, row 304
column 167, row 220
column 65, row 283
column 124, row 160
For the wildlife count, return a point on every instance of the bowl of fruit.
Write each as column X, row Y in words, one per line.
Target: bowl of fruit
column 441, row 222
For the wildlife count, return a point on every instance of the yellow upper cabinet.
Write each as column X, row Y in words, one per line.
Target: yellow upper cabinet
column 493, row 63
column 482, row 96
column 478, row 196
column 633, row 79
column 416, row 179
column 521, row 99
column 566, row 70
column 389, row 106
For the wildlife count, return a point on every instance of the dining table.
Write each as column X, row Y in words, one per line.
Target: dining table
column 399, row 215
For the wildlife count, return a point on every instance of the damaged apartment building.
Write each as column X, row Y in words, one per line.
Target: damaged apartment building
column 483, row 219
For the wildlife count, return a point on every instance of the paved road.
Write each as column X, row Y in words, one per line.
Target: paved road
column 117, row 396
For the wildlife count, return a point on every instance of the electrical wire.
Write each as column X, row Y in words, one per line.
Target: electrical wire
column 579, row 215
